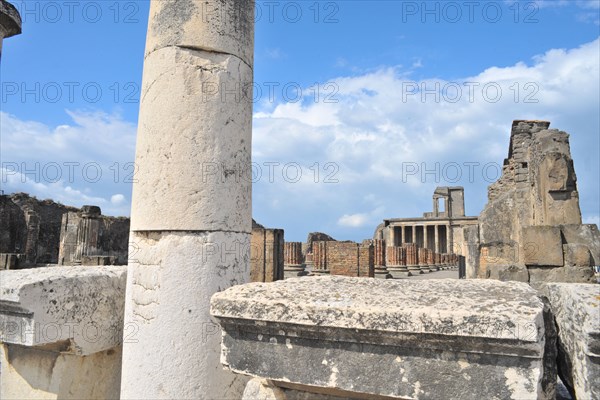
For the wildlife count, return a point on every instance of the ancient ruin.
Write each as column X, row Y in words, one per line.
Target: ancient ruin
column 531, row 228
column 266, row 254
column 191, row 229
column 182, row 321
column 42, row 233
column 10, row 22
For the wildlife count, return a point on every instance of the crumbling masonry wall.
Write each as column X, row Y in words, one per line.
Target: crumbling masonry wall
column 531, row 230
column 266, row 254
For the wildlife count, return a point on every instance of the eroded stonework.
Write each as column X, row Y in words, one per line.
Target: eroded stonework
column 530, row 229
column 474, row 339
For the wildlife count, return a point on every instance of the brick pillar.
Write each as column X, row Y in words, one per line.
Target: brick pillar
column 320, row 258
column 292, row 264
column 423, row 266
column 396, row 262
column 380, row 265
column 412, row 258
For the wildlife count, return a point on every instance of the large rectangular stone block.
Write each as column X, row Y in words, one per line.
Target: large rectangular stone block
column 576, row 309
column 360, row 337
column 541, row 245
column 48, row 306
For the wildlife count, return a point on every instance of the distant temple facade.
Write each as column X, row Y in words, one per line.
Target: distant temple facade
column 439, row 230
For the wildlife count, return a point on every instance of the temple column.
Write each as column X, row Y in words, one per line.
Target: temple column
column 88, row 234
column 404, row 236
column 437, row 238
column 425, row 237
column 414, row 234
column 191, row 205
column 392, row 235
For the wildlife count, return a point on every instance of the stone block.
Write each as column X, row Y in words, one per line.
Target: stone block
column 431, row 339
column 586, row 234
column 541, row 245
column 571, row 274
column 577, row 255
column 46, row 306
column 513, row 272
column 576, row 309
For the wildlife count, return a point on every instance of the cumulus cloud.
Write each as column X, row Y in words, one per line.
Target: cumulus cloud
column 77, row 163
column 370, row 146
column 396, row 139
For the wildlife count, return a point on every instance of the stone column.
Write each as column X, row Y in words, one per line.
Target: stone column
column 392, row 236
column 292, row 264
column 33, row 230
column 10, row 22
column 88, row 233
column 380, row 264
column 404, row 230
column 414, row 234
column 425, row 237
column 191, row 205
column 437, row 238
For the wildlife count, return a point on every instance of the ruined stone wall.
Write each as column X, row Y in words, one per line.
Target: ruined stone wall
column 34, row 230
column 266, row 254
column 526, row 227
column 42, row 232
column 93, row 239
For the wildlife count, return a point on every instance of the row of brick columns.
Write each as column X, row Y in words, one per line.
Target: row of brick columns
column 407, row 260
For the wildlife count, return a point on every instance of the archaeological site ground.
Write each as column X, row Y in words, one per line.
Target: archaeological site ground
column 191, row 298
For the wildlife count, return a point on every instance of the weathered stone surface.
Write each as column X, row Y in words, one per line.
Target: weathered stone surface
column 83, row 306
column 514, row 272
column 261, row 389
column 577, row 255
column 576, row 308
column 569, row 274
column 541, row 245
column 533, row 216
column 586, row 234
column 401, row 338
column 10, row 21
column 208, row 25
column 210, row 160
column 171, row 278
column 52, row 373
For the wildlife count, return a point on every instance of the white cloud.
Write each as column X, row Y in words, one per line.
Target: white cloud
column 78, row 163
column 380, row 127
column 354, row 220
column 117, row 199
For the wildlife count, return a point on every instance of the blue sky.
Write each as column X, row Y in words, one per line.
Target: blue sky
column 342, row 138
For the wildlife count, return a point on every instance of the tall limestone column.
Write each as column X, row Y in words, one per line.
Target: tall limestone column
column 191, row 207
